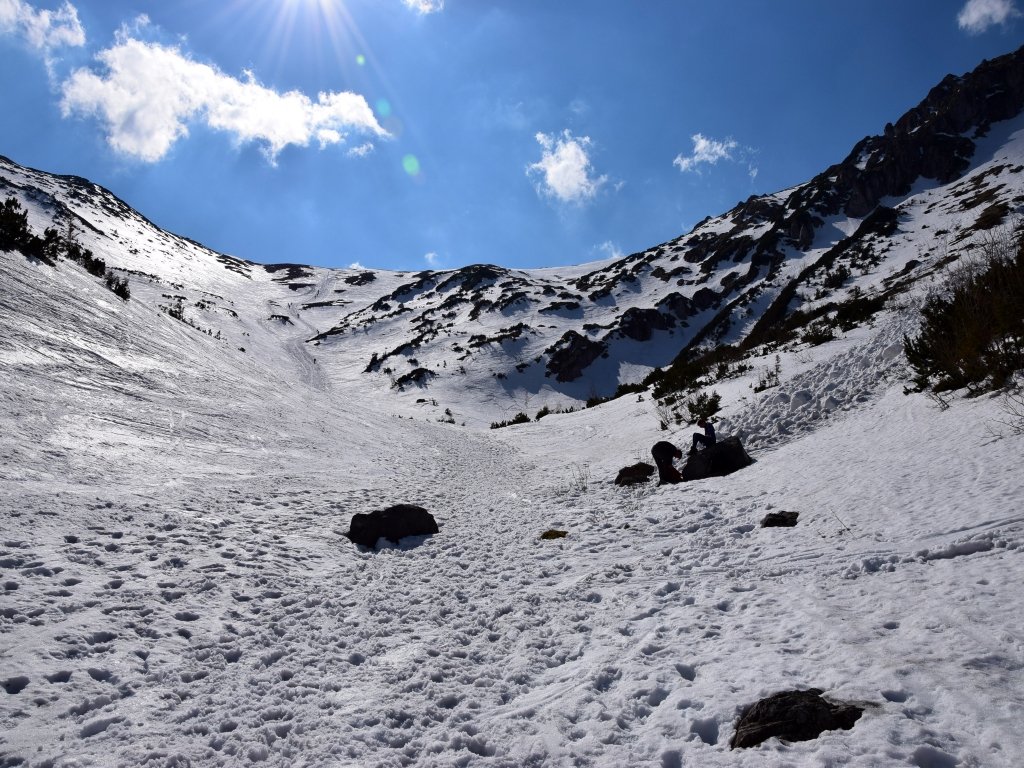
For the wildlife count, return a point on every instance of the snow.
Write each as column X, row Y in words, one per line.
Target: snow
column 178, row 589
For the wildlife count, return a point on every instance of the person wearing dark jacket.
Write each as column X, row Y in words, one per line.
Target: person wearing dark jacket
column 663, row 454
column 707, row 439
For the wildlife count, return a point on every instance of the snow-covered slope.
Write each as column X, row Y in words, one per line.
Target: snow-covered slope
column 177, row 472
column 481, row 341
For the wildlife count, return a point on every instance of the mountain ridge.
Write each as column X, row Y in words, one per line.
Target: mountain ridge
column 758, row 274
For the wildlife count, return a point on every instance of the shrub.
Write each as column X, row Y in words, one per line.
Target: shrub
column 837, row 277
column 817, row 333
column 14, row 234
column 704, row 406
column 625, row 389
column 118, row 285
column 547, row 410
column 972, row 327
column 519, row 418
column 771, row 377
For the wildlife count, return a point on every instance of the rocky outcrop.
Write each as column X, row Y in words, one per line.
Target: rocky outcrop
column 931, row 140
column 722, row 458
column 394, row 524
column 571, row 354
column 417, row 376
column 640, row 324
column 792, row 716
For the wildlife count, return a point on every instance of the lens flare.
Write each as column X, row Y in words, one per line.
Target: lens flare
column 361, row 60
column 383, row 108
column 411, row 165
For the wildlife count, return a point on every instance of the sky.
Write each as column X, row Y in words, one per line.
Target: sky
column 432, row 134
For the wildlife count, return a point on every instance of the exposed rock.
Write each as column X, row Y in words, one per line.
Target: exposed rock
column 361, row 279
column 678, row 305
column 638, row 473
column 792, row 716
column 722, row 458
column 571, row 354
column 393, row 524
column 291, row 271
column 780, row 520
column 473, row 277
column 639, row 324
column 705, row 298
column 554, row 533
column 418, row 376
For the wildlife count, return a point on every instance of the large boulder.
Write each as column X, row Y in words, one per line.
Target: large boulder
column 638, row 473
column 393, row 524
column 792, row 716
column 722, row 458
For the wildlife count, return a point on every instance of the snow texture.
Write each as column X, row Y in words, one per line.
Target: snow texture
column 177, row 588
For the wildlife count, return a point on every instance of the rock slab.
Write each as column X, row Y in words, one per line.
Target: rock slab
column 792, row 716
column 393, row 524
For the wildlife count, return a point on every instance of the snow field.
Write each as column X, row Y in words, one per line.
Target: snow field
column 177, row 589
column 195, row 602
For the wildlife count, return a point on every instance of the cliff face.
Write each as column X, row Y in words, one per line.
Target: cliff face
column 934, row 140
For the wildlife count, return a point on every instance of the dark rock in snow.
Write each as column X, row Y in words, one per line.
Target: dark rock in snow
column 722, row 458
column 418, row 376
column 393, row 524
column 792, row 716
column 780, row 520
column 639, row 324
column 361, row 279
column 571, row 354
column 554, row 533
column 640, row 472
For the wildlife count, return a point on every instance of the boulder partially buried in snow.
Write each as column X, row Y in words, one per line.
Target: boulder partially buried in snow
column 640, row 472
column 393, row 524
column 792, row 716
column 780, row 519
column 722, row 458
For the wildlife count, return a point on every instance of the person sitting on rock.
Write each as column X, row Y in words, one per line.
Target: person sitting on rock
column 707, row 439
column 663, row 454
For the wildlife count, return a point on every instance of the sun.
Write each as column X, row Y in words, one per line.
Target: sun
column 323, row 30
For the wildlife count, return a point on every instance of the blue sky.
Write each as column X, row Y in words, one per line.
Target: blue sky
column 417, row 134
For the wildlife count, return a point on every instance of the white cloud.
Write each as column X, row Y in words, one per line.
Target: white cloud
column 706, row 151
column 978, row 15
column 610, row 249
column 565, row 169
column 356, row 265
column 424, row 7
column 362, row 150
column 149, row 93
column 42, row 29
column 432, row 259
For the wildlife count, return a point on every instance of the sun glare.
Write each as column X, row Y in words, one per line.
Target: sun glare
column 321, row 29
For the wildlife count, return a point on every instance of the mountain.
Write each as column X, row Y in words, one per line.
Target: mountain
column 868, row 227
column 180, row 459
